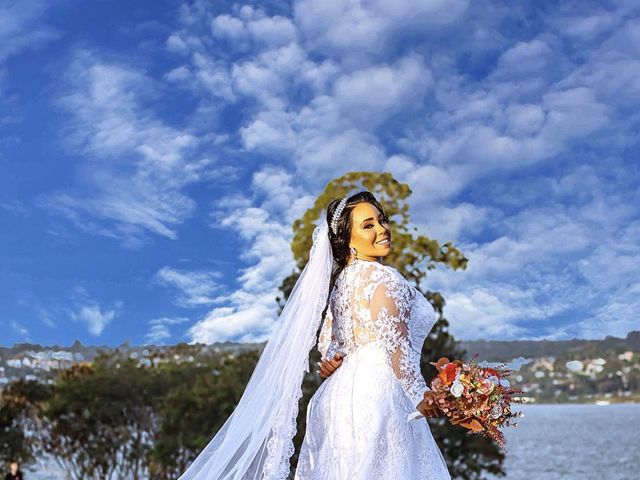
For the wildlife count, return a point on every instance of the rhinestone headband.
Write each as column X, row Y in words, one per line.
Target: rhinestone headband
column 337, row 213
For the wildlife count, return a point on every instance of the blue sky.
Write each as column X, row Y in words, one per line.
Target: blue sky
column 154, row 155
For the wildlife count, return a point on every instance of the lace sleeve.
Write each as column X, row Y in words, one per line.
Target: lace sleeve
column 327, row 341
column 390, row 307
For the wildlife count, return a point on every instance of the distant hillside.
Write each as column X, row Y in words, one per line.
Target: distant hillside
column 489, row 350
column 88, row 352
column 504, row 351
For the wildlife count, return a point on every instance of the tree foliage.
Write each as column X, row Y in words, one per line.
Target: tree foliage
column 120, row 419
column 20, row 407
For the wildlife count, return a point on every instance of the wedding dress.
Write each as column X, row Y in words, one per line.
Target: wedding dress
column 362, row 422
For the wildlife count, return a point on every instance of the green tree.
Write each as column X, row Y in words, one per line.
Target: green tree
column 20, row 408
column 100, row 421
column 414, row 256
column 202, row 397
column 118, row 418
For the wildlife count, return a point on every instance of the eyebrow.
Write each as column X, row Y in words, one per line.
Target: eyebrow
column 370, row 218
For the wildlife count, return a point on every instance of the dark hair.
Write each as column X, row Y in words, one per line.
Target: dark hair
column 340, row 240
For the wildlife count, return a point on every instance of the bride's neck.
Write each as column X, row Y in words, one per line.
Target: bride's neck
column 351, row 261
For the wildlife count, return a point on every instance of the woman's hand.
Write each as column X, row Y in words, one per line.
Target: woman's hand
column 428, row 406
column 328, row 366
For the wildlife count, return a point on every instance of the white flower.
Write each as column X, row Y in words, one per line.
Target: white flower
column 456, row 389
column 496, row 411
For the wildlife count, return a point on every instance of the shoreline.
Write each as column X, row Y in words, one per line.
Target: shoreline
column 597, row 402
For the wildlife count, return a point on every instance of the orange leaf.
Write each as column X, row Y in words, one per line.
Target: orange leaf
column 474, row 425
column 442, row 361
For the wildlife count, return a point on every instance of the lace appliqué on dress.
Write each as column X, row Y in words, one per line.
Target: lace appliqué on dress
column 357, row 421
column 372, row 302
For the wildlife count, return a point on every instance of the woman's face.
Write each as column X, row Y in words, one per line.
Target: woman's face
column 368, row 229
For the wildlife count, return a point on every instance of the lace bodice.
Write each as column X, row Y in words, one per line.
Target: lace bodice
column 372, row 302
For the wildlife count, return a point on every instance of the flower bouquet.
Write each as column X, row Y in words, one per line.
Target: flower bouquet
column 474, row 397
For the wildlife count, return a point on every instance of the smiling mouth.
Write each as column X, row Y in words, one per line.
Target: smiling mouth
column 384, row 241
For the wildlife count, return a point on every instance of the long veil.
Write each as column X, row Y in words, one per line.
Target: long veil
column 255, row 442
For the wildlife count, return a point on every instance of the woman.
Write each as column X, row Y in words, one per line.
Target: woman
column 360, row 423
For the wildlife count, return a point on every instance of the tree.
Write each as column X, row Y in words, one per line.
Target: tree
column 413, row 256
column 100, row 421
column 117, row 418
column 20, row 407
column 201, row 399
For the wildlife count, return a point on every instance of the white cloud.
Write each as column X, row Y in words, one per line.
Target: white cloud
column 46, row 316
column 512, row 144
column 371, row 95
column 21, row 29
column 272, row 31
column 86, row 310
column 574, row 262
column 253, row 26
column 249, row 313
column 175, row 43
column 136, row 166
column 524, row 59
column 586, row 28
column 94, row 318
column 252, row 319
column 228, row 26
column 195, row 288
column 20, row 329
column 355, row 28
column 159, row 329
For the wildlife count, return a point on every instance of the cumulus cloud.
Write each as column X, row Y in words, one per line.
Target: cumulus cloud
column 328, row 26
column 195, row 288
column 515, row 142
column 564, row 270
column 253, row 25
column 489, row 126
column 88, row 311
column 249, row 313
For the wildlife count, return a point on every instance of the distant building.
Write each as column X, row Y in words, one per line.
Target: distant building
column 626, row 356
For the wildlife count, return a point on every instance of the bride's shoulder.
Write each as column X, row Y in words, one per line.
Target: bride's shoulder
column 377, row 273
column 388, row 271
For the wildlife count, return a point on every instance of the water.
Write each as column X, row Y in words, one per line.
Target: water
column 551, row 442
column 574, row 442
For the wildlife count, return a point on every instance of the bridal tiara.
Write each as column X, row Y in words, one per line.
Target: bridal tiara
column 337, row 213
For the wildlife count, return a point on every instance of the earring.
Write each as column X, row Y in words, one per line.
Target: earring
column 354, row 253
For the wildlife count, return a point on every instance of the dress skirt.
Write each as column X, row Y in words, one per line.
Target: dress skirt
column 357, row 427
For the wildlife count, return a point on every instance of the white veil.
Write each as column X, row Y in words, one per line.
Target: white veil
column 255, row 442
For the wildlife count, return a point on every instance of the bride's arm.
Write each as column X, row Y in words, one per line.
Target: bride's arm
column 390, row 307
column 329, row 346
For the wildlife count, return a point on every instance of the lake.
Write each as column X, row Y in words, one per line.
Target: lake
column 552, row 442
column 574, row 442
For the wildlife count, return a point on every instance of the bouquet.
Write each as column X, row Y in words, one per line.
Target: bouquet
column 474, row 397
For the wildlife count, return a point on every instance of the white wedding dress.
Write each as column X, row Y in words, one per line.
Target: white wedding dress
column 362, row 422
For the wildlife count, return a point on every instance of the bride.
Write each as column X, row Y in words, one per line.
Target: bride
column 367, row 420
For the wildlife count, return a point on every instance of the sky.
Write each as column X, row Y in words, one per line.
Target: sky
column 154, row 155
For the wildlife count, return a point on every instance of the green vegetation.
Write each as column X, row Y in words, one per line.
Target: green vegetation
column 116, row 418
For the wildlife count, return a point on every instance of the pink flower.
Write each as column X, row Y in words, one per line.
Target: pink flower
column 486, row 387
